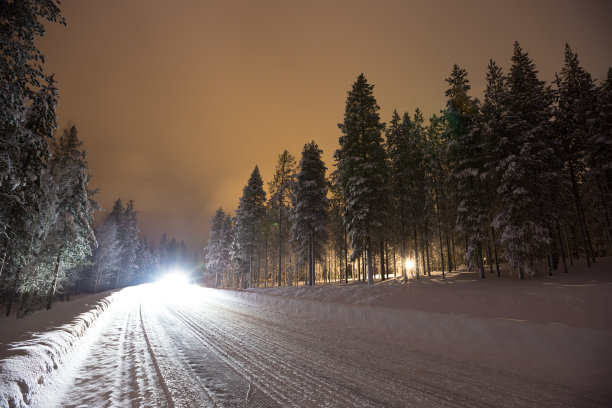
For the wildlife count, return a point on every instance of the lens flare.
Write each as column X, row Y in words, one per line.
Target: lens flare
column 409, row 264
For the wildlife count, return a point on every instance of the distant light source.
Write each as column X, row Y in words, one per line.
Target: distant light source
column 409, row 264
column 174, row 277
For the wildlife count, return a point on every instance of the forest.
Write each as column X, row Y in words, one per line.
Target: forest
column 49, row 246
column 518, row 182
column 521, row 179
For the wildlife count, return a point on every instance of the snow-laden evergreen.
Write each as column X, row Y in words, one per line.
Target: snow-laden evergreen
column 218, row 248
column 526, row 165
column 310, row 210
column 279, row 206
column 404, row 145
column 249, row 217
column 574, row 126
column 463, row 116
column 362, row 171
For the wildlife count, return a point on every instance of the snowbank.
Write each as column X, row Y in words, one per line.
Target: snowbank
column 26, row 376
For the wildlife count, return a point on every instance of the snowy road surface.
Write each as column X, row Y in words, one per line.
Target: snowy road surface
column 202, row 347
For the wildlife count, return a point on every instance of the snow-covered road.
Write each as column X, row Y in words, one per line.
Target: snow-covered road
column 200, row 347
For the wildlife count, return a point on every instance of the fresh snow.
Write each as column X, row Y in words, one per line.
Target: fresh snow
column 432, row 342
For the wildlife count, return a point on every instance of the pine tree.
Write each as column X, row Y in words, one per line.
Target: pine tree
column 574, row 115
column 28, row 98
column 337, row 227
column 463, row 116
column 147, row 262
column 280, row 189
column 215, row 246
column 310, row 207
column 70, row 240
column 494, row 143
column 525, row 168
column 128, row 233
column 227, row 234
column 249, row 215
column 106, row 257
column 406, row 158
column 437, row 161
column 599, row 155
column 362, row 171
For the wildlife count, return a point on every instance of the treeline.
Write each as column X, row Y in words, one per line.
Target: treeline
column 122, row 259
column 522, row 177
column 48, row 246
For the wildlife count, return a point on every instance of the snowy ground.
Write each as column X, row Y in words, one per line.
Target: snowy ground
column 462, row 342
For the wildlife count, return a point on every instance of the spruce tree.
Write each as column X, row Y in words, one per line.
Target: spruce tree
column 362, row 171
column 279, row 204
column 406, row 161
column 310, row 209
column 599, row 155
column 494, row 143
column 462, row 114
column 215, row 246
column 249, row 215
column 437, row 179
column 575, row 113
column 106, row 256
column 70, row 240
column 28, row 98
column 525, row 168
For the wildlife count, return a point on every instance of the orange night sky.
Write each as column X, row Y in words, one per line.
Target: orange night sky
column 177, row 101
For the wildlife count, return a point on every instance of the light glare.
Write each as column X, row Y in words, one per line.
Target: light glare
column 174, row 278
column 409, row 264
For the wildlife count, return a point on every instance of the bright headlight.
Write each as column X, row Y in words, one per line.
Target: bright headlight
column 174, row 277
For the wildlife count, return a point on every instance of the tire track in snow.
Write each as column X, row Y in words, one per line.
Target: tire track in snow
column 196, row 350
column 330, row 383
column 119, row 357
column 155, row 364
column 421, row 377
column 224, row 378
column 306, row 384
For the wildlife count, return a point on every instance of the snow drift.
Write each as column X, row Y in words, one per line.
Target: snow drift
column 26, row 378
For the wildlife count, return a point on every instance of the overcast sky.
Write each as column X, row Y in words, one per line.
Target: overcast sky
column 177, row 101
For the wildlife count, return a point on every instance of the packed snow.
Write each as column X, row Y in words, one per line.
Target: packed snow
column 457, row 342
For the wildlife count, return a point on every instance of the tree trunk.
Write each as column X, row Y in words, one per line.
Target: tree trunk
column 13, row 290
column 569, row 249
column 387, row 260
column 560, row 238
column 479, row 261
column 280, row 244
column 467, row 261
column 403, row 249
column 427, row 251
column 382, row 259
column 346, row 256
column 580, row 213
column 266, row 263
column 416, row 251
column 54, row 284
column 495, row 252
column 604, row 205
column 489, row 255
column 440, row 237
column 448, row 250
column 312, row 263
column 370, row 265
